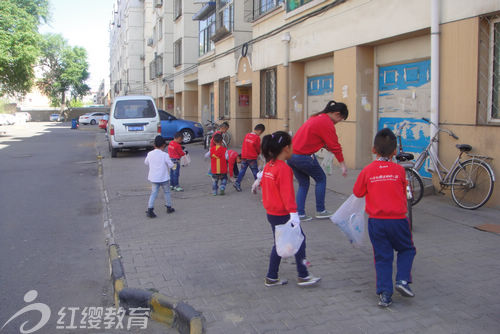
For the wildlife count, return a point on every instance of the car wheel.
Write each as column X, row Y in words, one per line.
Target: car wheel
column 114, row 151
column 93, row 121
column 187, row 136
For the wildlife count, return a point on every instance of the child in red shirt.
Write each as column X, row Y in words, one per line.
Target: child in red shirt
column 218, row 160
column 278, row 198
column 233, row 159
column 250, row 151
column 175, row 152
column 384, row 184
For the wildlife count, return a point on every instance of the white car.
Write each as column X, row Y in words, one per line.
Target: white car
column 91, row 118
column 7, row 119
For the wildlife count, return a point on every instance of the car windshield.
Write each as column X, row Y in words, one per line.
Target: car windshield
column 134, row 109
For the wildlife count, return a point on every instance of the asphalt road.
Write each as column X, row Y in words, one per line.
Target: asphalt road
column 51, row 233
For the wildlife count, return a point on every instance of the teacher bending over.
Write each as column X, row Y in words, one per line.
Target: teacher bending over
column 317, row 132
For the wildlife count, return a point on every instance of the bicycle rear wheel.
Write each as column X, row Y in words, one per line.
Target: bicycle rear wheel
column 417, row 186
column 472, row 184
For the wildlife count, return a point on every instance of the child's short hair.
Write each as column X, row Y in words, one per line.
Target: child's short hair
column 260, row 127
column 273, row 144
column 385, row 142
column 159, row 141
column 178, row 135
column 218, row 138
column 225, row 125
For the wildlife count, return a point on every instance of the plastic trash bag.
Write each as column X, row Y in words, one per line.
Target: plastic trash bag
column 185, row 160
column 351, row 219
column 288, row 238
column 327, row 163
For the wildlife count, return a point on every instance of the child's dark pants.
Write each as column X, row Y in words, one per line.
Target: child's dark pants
column 275, row 259
column 386, row 236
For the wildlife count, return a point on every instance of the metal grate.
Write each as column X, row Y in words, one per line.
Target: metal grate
column 489, row 70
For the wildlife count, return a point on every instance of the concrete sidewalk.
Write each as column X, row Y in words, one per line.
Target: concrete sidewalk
column 213, row 253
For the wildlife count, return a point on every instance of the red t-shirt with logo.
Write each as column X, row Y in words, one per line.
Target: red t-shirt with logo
column 278, row 195
column 218, row 159
column 175, row 150
column 384, row 185
column 251, row 146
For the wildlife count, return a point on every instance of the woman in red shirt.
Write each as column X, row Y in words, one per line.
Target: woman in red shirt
column 316, row 133
column 279, row 201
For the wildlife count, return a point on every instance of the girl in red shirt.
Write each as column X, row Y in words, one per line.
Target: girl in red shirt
column 317, row 132
column 279, row 201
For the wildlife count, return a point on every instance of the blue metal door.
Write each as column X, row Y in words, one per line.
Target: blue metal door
column 404, row 97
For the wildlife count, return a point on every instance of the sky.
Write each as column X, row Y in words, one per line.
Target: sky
column 84, row 23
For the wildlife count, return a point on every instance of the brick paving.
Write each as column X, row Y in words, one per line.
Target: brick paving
column 213, row 253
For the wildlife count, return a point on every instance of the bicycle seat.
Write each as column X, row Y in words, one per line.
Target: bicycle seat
column 464, row 147
column 404, row 156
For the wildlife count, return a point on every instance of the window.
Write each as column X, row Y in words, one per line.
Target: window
column 207, row 30
column 178, row 52
column 294, row 4
column 160, row 29
column 159, row 65
column 226, row 14
column 494, row 84
column 264, row 6
column 268, row 93
column 225, row 98
column 177, row 9
column 152, row 70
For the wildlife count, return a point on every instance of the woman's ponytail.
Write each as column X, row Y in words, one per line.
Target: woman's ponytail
column 333, row 106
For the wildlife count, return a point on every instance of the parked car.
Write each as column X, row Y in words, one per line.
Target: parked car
column 133, row 123
column 23, row 116
column 5, row 119
column 91, row 118
column 56, row 118
column 170, row 125
column 103, row 123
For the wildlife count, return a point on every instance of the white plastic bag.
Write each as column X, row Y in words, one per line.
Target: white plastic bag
column 185, row 160
column 288, row 238
column 351, row 220
column 327, row 163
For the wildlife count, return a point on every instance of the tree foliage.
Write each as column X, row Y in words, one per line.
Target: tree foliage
column 19, row 39
column 65, row 69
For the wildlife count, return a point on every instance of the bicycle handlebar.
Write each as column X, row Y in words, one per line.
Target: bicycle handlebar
column 449, row 132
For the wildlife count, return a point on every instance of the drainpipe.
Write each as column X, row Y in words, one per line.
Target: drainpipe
column 286, row 39
column 435, row 16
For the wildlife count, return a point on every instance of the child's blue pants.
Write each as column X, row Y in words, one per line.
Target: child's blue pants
column 386, row 236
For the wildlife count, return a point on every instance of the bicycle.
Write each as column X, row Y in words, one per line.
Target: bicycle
column 210, row 129
column 406, row 160
column 471, row 180
column 415, row 183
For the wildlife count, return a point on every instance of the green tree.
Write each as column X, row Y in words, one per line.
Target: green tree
column 65, row 70
column 19, row 38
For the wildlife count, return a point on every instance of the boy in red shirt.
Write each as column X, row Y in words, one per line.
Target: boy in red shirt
column 218, row 157
column 233, row 159
column 175, row 152
column 384, row 184
column 250, row 151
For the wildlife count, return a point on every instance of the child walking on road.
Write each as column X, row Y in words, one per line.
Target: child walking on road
column 250, row 151
column 218, row 160
column 384, row 184
column 176, row 152
column 278, row 198
column 159, row 163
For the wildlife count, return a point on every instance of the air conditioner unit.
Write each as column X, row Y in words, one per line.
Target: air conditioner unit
column 150, row 41
column 141, row 57
column 158, row 3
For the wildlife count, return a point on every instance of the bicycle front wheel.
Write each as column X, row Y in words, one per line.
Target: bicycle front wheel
column 471, row 184
column 416, row 185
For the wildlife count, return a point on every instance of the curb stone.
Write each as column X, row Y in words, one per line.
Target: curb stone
column 163, row 309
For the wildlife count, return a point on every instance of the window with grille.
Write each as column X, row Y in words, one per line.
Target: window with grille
column 226, row 14
column 152, row 70
column 225, row 98
column 264, row 6
column 268, row 93
column 178, row 52
column 160, row 29
column 294, row 4
column 494, row 84
column 177, row 8
column 159, row 65
column 206, row 30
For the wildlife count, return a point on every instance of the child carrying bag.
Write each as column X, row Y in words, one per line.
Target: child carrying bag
column 288, row 238
column 185, row 160
column 351, row 220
